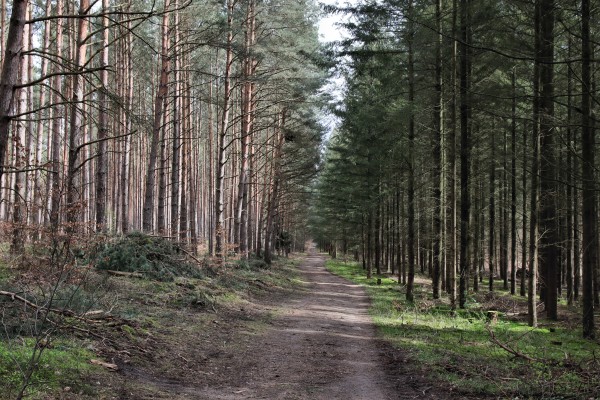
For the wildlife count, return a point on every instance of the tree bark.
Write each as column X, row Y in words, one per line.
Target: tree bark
column 438, row 118
column 101, row 161
column 411, row 160
column 492, row 218
column 10, row 71
column 549, row 253
column 513, row 198
column 161, row 94
column 464, row 152
column 535, row 164
column 590, row 229
column 76, row 116
column 20, row 156
column 220, row 167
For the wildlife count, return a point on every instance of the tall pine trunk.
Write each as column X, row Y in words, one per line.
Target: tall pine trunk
column 101, row 161
column 411, row 161
column 11, row 62
column 590, row 230
column 464, row 152
column 161, row 95
column 549, row 252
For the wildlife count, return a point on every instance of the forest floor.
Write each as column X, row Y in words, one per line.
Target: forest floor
column 289, row 332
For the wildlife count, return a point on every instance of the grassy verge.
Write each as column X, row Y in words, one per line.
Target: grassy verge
column 458, row 348
column 61, row 368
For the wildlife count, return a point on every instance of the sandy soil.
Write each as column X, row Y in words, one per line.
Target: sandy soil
column 318, row 343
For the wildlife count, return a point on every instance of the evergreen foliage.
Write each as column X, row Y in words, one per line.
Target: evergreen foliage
column 155, row 257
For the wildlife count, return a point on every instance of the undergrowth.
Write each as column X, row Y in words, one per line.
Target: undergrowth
column 173, row 288
column 155, row 257
column 548, row 362
column 62, row 365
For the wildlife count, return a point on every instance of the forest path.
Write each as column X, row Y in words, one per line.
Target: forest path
column 321, row 345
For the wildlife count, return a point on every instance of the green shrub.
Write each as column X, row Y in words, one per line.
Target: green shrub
column 155, row 257
column 253, row 263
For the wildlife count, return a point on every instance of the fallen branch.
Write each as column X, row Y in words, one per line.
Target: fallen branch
column 506, row 347
column 122, row 273
column 190, row 254
column 112, row 367
column 96, row 314
column 66, row 313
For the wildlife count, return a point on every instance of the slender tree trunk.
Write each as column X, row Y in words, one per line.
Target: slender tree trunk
column 535, row 164
column 57, row 116
column 453, row 167
column 211, row 134
column 513, row 199
column 41, row 202
column 241, row 213
column 10, row 71
column 505, row 218
column 76, row 116
column 101, row 161
column 438, row 118
column 3, row 10
column 549, row 253
column 271, row 208
column 464, row 152
column 20, row 154
column 570, row 172
column 411, row 167
column 125, row 163
column 524, row 241
column 492, row 221
column 176, row 121
column 590, row 229
column 220, row 168
column 161, row 94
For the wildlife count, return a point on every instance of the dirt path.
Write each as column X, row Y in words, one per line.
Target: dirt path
column 322, row 345
column 314, row 342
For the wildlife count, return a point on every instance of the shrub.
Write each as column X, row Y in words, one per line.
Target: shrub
column 155, row 257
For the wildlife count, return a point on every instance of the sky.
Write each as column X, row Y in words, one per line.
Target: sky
column 329, row 32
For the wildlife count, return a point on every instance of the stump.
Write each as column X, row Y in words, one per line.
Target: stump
column 492, row 317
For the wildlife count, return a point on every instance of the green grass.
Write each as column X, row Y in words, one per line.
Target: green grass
column 61, row 365
column 456, row 347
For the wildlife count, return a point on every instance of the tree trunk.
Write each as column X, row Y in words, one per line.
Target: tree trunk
column 76, row 116
column 535, row 164
column 492, row 221
column 513, row 191
column 101, row 161
column 464, row 152
column 10, row 71
column 451, row 270
column 590, row 229
column 548, row 188
column 57, row 115
column 274, row 198
column 524, row 241
column 20, row 156
column 570, row 184
column 161, row 94
column 220, row 168
column 438, row 119
column 411, row 166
